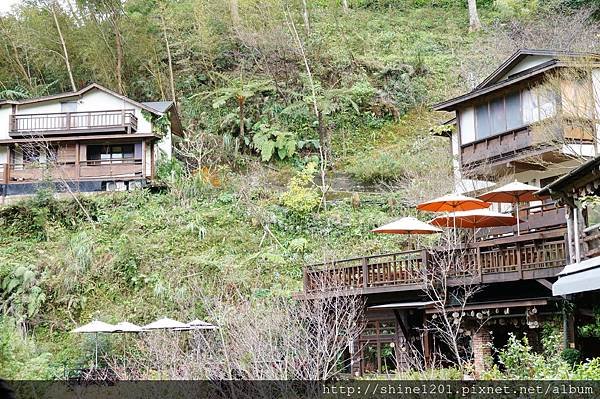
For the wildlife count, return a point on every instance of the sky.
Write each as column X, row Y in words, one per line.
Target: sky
column 6, row 4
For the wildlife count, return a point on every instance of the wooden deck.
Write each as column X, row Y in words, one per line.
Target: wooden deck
column 72, row 171
column 33, row 125
column 533, row 255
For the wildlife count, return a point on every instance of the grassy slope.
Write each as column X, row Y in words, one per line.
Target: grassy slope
column 143, row 253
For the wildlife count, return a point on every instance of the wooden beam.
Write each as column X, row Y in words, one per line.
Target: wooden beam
column 488, row 305
column 545, row 283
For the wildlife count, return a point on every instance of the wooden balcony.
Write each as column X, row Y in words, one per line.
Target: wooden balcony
column 35, row 125
column 72, row 171
column 531, row 256
column 502, row 148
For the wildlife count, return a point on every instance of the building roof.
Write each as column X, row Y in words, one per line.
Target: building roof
column 572, row 180
column 494, row 81
column 159, row 106
column 90, row 87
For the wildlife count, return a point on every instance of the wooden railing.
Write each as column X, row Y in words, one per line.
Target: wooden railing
column 499, row 147
column 116, row 168
column 67, row 122
column 533, row 218
column 537, row 255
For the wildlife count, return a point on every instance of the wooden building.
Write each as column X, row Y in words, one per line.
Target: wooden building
column 497, row 137
column 90, row 140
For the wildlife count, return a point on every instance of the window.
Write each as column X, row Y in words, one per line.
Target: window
column 498, row 116
column 37, row 154
column 68, row 106
column 513, row 111
column 110, row 153
column 483, row 121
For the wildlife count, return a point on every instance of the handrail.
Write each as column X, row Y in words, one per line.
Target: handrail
column 520, row 256
column 73, row 121
column 130, row 111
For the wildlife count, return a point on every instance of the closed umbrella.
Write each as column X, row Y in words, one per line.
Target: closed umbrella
column 453, row 203
column 512, row 193
column 95, row 327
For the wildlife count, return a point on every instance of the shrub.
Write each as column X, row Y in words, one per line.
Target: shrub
column 302, row 197
column 19, row 357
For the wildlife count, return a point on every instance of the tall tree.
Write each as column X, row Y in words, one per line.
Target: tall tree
column 54, row 9
column 474, row 22
column 234, row 9
column 169, row 57
column 345, row 5
column 305, row 16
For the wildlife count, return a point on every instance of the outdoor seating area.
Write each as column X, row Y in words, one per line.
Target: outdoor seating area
column 530, row 253
column 165, row 324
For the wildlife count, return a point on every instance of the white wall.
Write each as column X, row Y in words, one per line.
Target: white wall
column 467, row 125
column 5, row 112
column 528, row 62
column 3, row 154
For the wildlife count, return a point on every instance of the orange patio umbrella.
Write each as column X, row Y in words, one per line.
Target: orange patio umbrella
column 512, row 193
column 453, row 203
column 475, row 219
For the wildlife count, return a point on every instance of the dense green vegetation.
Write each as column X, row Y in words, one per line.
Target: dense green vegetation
column 264, row 91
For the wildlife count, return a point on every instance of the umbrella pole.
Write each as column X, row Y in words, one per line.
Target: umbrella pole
column 518, row 222
column 96, row 357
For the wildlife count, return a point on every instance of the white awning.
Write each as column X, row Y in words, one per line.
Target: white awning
column 578, row 277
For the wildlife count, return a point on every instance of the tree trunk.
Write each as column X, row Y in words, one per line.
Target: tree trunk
column 64, row 47
column 345, row 5
column 474, row 23
column 241, row 102
column 170, row 60
column 119, row 49
column 234, row 9
column 305, row 16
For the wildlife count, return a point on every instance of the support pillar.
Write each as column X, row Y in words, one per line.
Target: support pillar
column 481, row 349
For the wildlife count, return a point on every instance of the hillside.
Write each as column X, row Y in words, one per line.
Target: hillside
column 226, row 217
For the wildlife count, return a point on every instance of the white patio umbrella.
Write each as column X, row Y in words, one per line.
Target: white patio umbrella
column 200, row 325
column 125, row 327
column 165, row 324
column 95, row 327
column 407, row 225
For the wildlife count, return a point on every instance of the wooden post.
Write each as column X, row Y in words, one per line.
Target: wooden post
column 425, row 338
column 479, row 265
column 67, row 122
column 365, row 272
column 570, row 252
column 519, row 261
column 144, row 158
column 305, row 279
column 424, row 264
column 77, row 161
